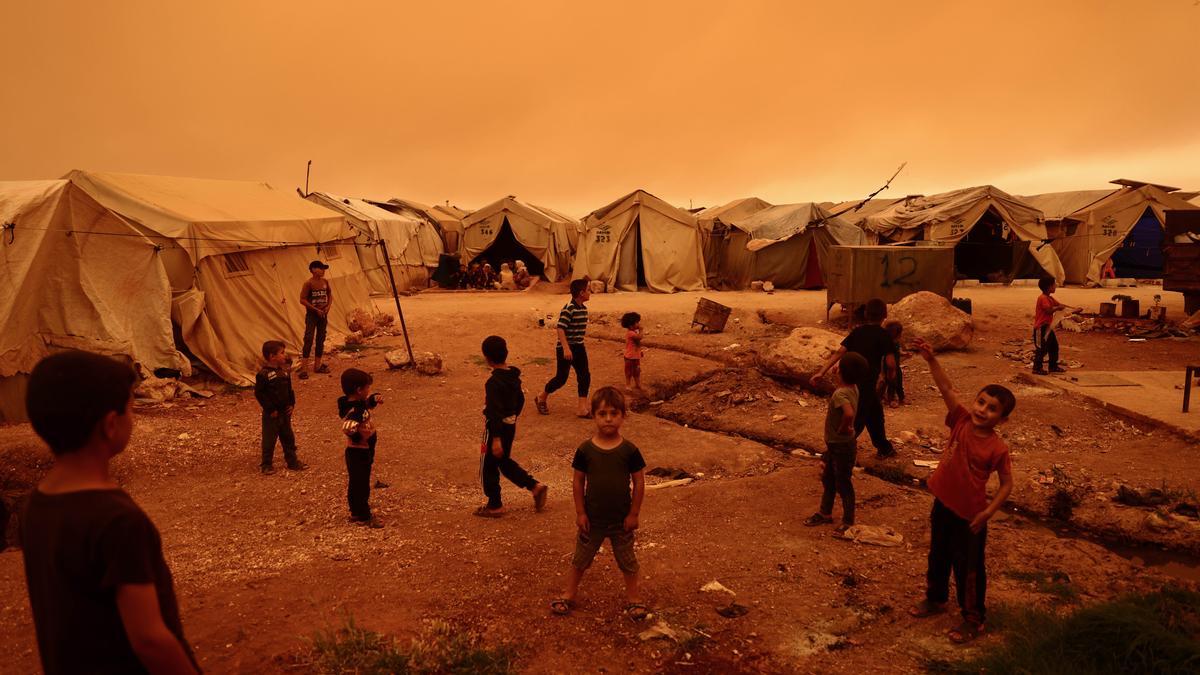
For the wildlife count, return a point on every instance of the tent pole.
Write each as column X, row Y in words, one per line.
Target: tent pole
column 396, row 296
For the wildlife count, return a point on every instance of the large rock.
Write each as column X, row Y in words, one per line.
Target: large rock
column 932, row 318
column 800, row 355
column 427, row 363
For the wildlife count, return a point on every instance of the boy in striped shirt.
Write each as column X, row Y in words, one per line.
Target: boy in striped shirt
column 570, row 351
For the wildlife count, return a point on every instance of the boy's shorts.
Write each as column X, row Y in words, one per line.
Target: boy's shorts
column 633, row 368
column 587, row 544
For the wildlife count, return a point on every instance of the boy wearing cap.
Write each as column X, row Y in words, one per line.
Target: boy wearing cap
column 316, row 296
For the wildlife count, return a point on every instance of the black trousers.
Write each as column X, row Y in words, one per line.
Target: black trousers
column 278, row 428
column 579, row 361
column 839, row 468
column 492, row 467
column 1045, row 343
column 358, row 488
column 870, row 416
column 953, row 547
column 893, row 389
column 314, row 325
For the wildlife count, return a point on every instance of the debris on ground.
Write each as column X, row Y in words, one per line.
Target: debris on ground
column 663, row 630
column 875, row 535
column 671, row 483
column 1131, row 496
column 733, row 610
column 715, row 586
column 669, row 473
column 926, row 463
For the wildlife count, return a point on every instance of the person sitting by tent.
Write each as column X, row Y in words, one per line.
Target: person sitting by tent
column 474, row 280
column 507, row 282
column 491, row 280
column 521, row 277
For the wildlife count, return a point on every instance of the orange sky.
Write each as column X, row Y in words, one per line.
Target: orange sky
column 699, row 102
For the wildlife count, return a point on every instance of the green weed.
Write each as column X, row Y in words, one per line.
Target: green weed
column 440, row 648
column 1055, row 583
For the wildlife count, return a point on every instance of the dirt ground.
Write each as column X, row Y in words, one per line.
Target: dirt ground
column 261, row 563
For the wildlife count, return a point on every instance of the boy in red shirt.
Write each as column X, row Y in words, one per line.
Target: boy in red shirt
column 1044, row 340
column 958, row 523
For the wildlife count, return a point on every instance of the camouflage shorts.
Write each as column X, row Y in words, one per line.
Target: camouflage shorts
column 588, row 544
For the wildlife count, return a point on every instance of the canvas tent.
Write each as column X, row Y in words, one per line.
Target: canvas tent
column 787, row 245
column 75, row 275
column 413, row 243
column 236, row 254
column 509, row 229
column 714, row 230
column 994, row 234
column 1125, row 224
column 447, row 219
column 640, row 241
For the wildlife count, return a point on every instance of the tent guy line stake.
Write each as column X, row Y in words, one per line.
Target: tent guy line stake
column 396, row 296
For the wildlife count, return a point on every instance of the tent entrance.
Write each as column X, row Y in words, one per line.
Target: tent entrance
column 813, row 276
column 985, row 253
column 506, row 249
column 631, row 274
column 1141, row 255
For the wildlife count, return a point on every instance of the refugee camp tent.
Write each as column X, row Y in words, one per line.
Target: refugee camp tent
column 714, row 230
column 447, row 219
column 786, row 245
column 413, row 243
column 640, row 241
column 75, row 275
column 509, row 229
column 236, row 254
column 995, row 235
column 1124, row 224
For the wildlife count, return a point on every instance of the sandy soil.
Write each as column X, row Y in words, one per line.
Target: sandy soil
column 263, row 562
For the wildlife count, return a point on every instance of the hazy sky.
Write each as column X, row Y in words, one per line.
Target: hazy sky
column 571, row 107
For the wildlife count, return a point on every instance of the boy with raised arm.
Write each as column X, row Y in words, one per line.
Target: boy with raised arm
column 961, row 509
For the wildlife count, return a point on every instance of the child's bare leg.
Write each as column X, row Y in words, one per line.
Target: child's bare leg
column 584, row 407
column 632, row 590
column 637, row 382
column 573, row 579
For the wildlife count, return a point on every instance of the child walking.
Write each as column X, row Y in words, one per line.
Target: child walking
column 961, row 509
column 840, row 445
column 317, row 297
column 101, row 592
column 503, row 402
column 570, row 353
column 1045, row 342
column 875, row 345
column 632, row 323
column 273, row 389
column 605, row 467
column 354, row 408
column 893, row 387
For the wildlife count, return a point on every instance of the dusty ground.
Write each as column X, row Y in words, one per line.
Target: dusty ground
column 263, row 562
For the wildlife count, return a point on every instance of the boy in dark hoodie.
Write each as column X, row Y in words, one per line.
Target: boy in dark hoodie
column 355, row 410
column 273, row 389
column 503, row 403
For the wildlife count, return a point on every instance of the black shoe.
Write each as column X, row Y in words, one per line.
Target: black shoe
column 268, row 470
column 1039, row 371
column 1057, row 369
column 297, row 466
column 885, row 455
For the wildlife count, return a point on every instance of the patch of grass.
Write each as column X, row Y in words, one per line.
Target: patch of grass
column 478, row 360
column 1055, row 583
column 538, row 361
column 1155, row 632
column 440, row 648
column 891, row 472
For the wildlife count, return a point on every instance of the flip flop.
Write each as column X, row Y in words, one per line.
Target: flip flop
column 562, row 606
column 539, row 497
column 966, row 631
column 485, row 512
column 926, row 609
column 637, row 612
column 542, row 408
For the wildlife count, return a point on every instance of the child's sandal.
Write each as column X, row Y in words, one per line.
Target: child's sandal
column 542, row 407
column 965, row 632
column 818, row 519
column 637, row 612
column 562, row 606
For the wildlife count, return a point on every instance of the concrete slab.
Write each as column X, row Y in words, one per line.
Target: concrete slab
column 1151, row 396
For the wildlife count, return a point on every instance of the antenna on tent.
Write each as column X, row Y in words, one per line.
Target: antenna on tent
column 307, row 172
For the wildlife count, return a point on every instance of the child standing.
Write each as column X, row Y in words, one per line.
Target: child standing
column 355, row 410
column 605, row 466
column 317, row 297
column 101, row 592
column 1045, row 342
column 958, row 522
column 570, row 351
column 840, row 444
column 273, row 389
column 503, row 402
column 875, row 345
column 632, row 323
column 893, row 387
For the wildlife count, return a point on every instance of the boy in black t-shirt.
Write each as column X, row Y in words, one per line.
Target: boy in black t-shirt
column 101, row 592
column 355, row 410
column 273, row 390
column 876, row 346
column 503, row 402
column 606, row 465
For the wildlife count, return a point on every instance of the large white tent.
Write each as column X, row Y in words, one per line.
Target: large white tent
column 640, row 241
column 510, row 229
column 714, row 230
column 787, row 245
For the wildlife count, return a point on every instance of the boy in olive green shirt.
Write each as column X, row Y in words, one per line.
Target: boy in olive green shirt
column 840, row 446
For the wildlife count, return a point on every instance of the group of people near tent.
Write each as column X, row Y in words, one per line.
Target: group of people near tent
column 212, row 261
